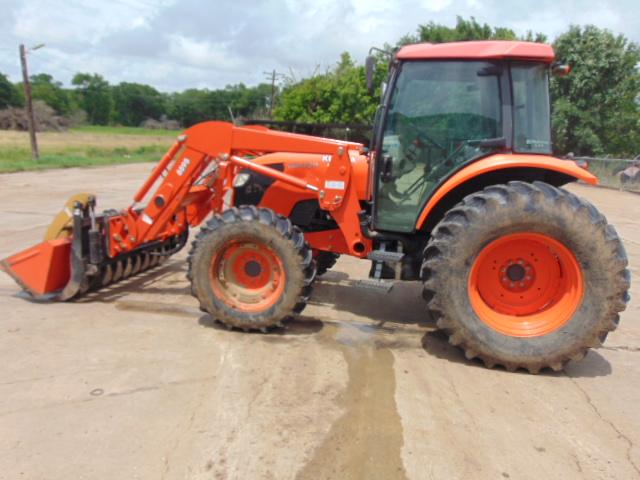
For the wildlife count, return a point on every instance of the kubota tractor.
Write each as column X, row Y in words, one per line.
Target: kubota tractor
column 459, row 190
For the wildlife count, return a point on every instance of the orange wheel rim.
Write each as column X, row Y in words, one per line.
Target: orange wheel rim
column 247, row 276
column 525, row 285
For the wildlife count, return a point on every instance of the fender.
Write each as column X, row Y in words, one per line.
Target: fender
column 502, row 162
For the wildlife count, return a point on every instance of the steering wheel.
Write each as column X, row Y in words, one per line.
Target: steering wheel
column 421, row 138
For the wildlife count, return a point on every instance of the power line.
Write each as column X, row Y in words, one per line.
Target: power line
column 272, row 76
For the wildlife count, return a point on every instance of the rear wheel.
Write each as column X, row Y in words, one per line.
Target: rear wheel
column 251, row 268
column 525, row 276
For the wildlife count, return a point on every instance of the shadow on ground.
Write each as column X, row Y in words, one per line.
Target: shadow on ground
column 436, row 344
column 388, row 317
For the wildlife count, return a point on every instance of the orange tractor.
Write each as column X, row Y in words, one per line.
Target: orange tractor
column 458, row 190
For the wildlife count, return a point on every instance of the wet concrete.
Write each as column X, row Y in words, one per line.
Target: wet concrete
column 135, row 382
column 366, row 441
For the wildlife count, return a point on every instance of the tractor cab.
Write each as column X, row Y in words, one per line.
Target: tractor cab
column 447, row 105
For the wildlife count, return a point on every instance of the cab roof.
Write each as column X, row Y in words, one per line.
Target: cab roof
column 478, row 50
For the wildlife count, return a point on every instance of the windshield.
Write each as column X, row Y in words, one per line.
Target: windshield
column 438, row 112
column 531, row 118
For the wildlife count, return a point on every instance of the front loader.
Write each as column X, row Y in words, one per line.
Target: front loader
column 459, row 190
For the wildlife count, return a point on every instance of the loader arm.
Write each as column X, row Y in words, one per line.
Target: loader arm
column 198, row 170
column 192, row 180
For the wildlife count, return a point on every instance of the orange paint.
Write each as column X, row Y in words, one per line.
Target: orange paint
column 247, row 276
column 43, row 268
column 525, row 285
column 478, row 50
column 327, row 241
column 502, row 162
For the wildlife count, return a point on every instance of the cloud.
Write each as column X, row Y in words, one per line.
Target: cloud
column 175, row 45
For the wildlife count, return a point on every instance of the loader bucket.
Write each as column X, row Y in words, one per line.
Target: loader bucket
column 42, row 270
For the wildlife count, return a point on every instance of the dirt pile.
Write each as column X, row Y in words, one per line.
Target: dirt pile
column 164, row 123
column 630, row 174
column 46, row 118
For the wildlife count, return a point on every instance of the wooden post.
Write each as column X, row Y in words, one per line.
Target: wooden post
column 27, row 93
column 272, row 76
column 273, row 92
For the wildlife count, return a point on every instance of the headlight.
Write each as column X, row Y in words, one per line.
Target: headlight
column 240, row 179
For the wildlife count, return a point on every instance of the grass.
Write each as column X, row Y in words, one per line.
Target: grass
column 102, row 130
column 18, row 159
column 85, row 146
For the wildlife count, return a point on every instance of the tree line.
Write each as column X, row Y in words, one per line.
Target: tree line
column 130, row 104
column 596, row 109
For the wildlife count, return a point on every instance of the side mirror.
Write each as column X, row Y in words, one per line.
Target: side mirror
column 370, row 67
column 560, row 70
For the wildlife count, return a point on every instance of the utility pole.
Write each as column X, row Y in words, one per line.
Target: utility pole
column 27, row 93
column 272, row 76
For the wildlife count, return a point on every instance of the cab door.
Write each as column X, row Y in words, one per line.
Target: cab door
column 437, row 113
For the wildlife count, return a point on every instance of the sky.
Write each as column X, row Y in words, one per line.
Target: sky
column 179, row 44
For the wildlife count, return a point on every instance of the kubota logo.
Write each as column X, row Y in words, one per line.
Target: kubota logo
column 183, row 166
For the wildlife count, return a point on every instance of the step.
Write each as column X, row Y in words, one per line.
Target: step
column 385, row 256
column 381, row 286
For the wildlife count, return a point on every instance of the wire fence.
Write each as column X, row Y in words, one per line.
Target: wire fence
column 620, row 173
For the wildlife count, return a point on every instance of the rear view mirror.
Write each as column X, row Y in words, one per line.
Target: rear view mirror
column 370, row 67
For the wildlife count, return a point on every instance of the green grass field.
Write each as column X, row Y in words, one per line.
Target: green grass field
column 84, row 146
column 16, row 160
column 100, row 130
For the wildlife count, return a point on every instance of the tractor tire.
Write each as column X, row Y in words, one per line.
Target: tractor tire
column 250, row 268
column 525, row 276
column 325, row 261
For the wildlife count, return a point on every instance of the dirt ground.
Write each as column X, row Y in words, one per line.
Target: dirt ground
column 137, row 383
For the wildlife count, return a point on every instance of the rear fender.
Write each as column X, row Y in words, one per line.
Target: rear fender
column 512, row 167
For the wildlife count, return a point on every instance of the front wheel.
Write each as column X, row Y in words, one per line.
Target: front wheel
column 251, row 268
column 325, row 261
column 525, row 276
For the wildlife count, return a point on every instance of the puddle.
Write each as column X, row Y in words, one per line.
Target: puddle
column 366, row 441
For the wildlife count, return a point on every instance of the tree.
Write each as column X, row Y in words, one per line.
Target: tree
column 94, row 96
column 135, row 102
column 45, row 88
column 9, row 93
column 189, row 107
column 338, row 96
column 464, row 30
column 595, row 108
column 244, row 101
column 193, row 106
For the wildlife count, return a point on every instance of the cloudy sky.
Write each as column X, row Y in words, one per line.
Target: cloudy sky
column 178, row 44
